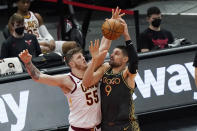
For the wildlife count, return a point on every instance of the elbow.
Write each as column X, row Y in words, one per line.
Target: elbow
column 35, row 79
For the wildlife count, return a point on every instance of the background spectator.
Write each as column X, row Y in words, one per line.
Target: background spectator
column 19, row 40
column 154, row 37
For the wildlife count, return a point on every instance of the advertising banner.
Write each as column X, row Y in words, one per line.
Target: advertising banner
column 26, row 105
column 162, row 82
column 165, row 82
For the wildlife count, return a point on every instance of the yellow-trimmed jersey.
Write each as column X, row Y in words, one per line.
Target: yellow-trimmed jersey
column 116, row 101
column 32, row 26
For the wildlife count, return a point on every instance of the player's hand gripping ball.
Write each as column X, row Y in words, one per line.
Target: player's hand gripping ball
column 112, row 29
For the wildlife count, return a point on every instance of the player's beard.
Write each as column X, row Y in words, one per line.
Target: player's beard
column 114, row 64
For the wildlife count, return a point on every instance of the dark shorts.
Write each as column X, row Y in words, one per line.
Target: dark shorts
column 126, row 126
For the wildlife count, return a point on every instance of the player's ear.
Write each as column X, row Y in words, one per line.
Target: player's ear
column 64, row 59
column 125, row 59
column 147, row 18
column 71, row 64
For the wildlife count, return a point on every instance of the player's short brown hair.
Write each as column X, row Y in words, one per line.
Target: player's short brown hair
column 68, row 45
column 68, row 56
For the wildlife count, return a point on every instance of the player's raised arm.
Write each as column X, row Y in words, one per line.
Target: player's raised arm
column 91, row 77
column 132, row 54
column 131, row 70
column 106, row 43
column 61, row 81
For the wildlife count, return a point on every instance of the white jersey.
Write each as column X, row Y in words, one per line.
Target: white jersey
column 85, row 109
column 32, row 26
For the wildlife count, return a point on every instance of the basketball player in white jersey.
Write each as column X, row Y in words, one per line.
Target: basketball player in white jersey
column 34, row 25
column 84, row 103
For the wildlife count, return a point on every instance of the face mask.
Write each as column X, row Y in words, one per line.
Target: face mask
column 20, row 30
column 156, row 22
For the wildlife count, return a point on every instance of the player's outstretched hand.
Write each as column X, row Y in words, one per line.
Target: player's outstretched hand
column 25, row 56
column 116, row 14
column 94, row 51
column 126, row 32
column 94, row 48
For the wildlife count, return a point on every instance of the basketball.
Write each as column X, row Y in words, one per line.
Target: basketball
column 112, row 29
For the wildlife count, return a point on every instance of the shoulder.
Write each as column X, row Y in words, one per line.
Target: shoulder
column 69, row 81
column 39, row 17
column 65, row 82
column 65, row 79
column 10, row 39
column 105, row 66
column 65, row 76
column 5, row 43
column 145, row 33
column 169, row 35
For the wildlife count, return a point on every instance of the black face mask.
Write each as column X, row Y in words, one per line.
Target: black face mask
column 20, row 30
column 156, row 22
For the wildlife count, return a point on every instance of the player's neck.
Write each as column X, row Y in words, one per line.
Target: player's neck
column 78, row 73
column 116, row 70
column 154, row 28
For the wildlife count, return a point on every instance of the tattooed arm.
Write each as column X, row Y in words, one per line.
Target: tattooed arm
column 62, row 81
column 33, row 71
